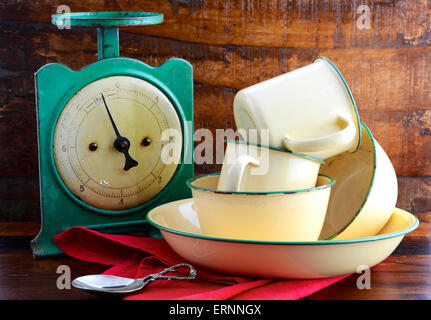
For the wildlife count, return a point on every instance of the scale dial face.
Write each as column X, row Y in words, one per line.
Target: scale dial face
column 91, row 166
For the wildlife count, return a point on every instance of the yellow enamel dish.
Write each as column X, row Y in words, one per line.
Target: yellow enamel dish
column 366, row 192
column 295, row 215
column 179, row 225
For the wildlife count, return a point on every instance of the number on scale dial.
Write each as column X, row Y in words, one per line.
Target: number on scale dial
column 118, row 153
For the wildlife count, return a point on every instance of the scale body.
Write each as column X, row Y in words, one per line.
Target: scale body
column 85, row 179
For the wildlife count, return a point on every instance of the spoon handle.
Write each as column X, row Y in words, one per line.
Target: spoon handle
column 162, row 275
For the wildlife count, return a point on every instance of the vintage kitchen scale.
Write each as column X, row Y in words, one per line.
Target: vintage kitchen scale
column 115, row 138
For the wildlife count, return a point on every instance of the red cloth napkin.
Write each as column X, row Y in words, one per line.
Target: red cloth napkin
column 135, row 257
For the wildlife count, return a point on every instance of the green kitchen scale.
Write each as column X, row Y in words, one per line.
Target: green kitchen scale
column 115, row 138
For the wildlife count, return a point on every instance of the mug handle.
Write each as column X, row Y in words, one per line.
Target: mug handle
column 339, row 138
column 236, row 171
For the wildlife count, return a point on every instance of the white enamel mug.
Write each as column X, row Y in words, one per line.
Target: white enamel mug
column 250, row 167
column 309, row 110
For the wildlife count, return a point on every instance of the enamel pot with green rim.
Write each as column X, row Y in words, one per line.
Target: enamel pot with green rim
column 309, row 110
column 251, row 167
column 366, row 192
column 293, row 215
column 179, row 225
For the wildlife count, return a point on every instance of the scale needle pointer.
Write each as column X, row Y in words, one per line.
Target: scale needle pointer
column 121, row 144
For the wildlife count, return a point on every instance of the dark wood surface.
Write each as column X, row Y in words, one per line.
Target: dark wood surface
column 231, row 45
column 406, row 274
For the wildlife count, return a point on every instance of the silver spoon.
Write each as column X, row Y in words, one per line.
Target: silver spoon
column 107, row 284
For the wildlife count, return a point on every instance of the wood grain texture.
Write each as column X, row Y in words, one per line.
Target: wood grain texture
column 389, row 78
column 273, row 23
column 231, row 45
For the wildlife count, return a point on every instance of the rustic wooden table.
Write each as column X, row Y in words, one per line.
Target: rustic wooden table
column 406, row 274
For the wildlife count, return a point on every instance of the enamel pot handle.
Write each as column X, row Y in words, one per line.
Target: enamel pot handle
column 236, row 171
column 339, row 138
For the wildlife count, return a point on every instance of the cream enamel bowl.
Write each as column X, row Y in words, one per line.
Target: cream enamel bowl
column 179, row 225
column 277, row 215
column 364, row 197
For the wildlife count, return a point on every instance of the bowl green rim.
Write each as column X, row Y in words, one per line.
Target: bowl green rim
column 191, row 186
column 306, row 156
column 286, row 243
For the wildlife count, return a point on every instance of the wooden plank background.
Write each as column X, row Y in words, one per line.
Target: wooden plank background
column 232, row 44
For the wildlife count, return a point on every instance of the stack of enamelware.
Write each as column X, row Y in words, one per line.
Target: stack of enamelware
column 307, row 192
